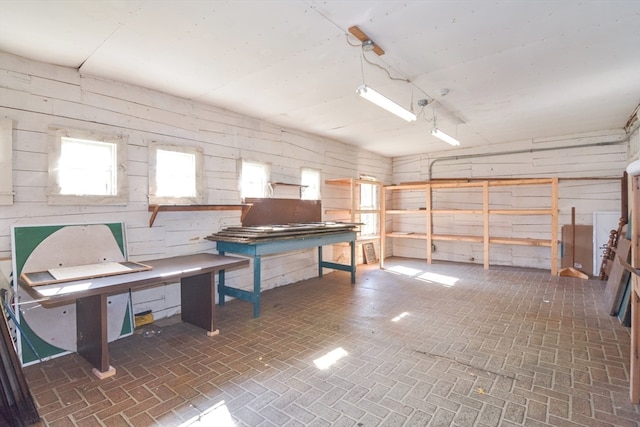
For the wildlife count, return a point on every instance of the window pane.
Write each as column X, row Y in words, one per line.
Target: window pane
column 175, row 174
column 87, row 167
column 369, row 200
column 311, row 179
column 254, row 179
column 368, row 196
column 370, row 224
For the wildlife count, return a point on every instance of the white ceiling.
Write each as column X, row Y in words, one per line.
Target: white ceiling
column 516, row 70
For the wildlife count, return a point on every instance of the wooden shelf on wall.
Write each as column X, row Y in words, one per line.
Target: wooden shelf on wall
column 154, row 209
column 354, row 212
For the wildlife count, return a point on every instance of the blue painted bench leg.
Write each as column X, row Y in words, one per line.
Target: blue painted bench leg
column 221, row 287
column 353, row 261
column 256, row 286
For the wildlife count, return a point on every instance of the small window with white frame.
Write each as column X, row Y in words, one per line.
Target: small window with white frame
column 86, row 168
column 176, row 174
column 254, row 179
column 369, row 201
column 310, row 182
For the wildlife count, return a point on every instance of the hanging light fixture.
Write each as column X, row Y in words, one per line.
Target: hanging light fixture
column 441, row 135
column 382, row 101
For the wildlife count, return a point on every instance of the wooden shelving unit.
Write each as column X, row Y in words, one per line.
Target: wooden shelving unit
column 155, row 209
column 486, row 212
column 353, row 212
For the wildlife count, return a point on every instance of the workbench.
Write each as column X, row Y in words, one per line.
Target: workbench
column 197, row 293
column 257, row 249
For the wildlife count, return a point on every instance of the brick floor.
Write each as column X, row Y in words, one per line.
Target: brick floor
column 415, row 345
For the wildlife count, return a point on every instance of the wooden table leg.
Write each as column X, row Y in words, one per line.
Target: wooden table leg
column 92, row 338
column 198, row 305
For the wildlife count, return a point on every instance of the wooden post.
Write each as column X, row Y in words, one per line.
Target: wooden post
column 428, row 198
column 485, row 216
column 554, row 226
column 383, row 224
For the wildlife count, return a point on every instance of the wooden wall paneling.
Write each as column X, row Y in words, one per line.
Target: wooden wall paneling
column 37, row 96
column 21, row 65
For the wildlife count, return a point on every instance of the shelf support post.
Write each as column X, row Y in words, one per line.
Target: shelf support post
column 554, row 226
column 485, row 217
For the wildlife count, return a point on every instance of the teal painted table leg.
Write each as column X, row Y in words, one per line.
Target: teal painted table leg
column 221, row 287
column 257, row 261
column 319, row 261
column 353, row 261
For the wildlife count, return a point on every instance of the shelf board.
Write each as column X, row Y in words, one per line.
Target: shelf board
column 519, row 241
column 457, row 238
column 367, row 239
column 516, row 182
column 154, row 209
column 367, row 211
column 337, row 211
column 287, row 184
column 349, row 181
column 448, row 185
column 406, row 211
column 407, row 235
column 407, row 187
column 475, row 239
column 521, row 211
column 458, row 211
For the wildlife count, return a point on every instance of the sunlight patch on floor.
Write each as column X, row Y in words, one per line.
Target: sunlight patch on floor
column 424, row 276
column 405, row 271
column 218, row 415
column 330, row 358
column 400, row 316
column 440, row 279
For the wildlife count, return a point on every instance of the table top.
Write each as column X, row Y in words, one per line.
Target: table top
column 165, row 270
column 272, row 246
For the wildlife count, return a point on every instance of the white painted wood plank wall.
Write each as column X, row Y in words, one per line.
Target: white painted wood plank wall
column 36, row 95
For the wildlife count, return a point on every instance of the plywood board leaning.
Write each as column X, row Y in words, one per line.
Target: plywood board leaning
column 618, row 277
column 582, row 259
column 37, row 248
column 81, row 272
column 369, row 253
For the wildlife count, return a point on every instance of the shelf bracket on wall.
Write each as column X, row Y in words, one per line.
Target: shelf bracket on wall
column 154, row 209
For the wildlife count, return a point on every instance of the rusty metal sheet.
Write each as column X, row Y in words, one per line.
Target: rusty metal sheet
column 282, row 211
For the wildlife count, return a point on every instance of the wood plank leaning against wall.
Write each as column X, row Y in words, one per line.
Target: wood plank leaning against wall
column 36, row 96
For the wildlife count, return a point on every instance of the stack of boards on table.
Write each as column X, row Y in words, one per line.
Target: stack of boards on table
column 283, row 231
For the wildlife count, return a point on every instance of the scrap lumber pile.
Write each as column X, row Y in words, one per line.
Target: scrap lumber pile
column 279, row 232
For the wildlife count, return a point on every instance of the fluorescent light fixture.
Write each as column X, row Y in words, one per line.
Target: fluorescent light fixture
column 381, row 101
column 443, row 136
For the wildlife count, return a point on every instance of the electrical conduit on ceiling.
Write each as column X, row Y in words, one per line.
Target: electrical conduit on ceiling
column 530, row 150
column 632, row 125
